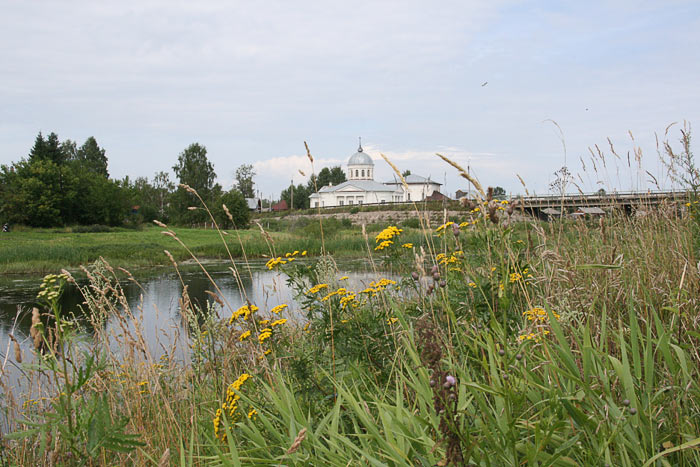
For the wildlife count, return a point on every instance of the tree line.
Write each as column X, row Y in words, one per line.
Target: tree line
column 61, row 183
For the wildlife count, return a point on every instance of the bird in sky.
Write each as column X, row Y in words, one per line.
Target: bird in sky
column 485, row 83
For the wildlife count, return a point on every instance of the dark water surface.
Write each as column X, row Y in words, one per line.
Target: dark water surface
column 154, row 301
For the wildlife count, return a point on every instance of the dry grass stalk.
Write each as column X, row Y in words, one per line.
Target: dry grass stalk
column 34, row 332
column 297, row 442
column 465, row 174
column 17, row 349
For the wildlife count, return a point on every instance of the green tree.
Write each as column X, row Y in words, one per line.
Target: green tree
column 244, row 180
column 47, row 149
column 326, row 176
column 92, row 157
column 237, row 206
column 193, row 169
column 301, row 195
column 499, row 193
column 406, row 173
column 163, row 189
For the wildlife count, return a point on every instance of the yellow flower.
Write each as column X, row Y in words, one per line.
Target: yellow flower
column 279, row 308
column 252, row 413
column 303, row 253
column 344, row 278
column 278, row 322
column 407, row 245
column 384, row 244
column 316, row 288
column 244, row 311
column 264, row 334
column 244, row 336
column 391, row 321
column 472, row 285
column 515, row 277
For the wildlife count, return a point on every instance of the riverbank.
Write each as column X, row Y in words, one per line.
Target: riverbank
column 571, row 344
column 42, row 251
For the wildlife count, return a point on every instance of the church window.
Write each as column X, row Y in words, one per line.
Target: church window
column 363, row 173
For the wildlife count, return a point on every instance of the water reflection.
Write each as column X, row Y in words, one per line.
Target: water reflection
column 154, row 303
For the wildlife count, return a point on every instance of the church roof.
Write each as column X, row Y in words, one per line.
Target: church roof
column 360, row 158
column 361, row 185
column 412, row 180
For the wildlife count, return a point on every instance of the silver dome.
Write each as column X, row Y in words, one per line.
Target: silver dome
column 360, row 158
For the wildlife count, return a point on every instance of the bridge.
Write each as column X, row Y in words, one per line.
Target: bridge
column 627, row 201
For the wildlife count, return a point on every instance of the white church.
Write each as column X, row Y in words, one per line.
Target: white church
column 360, row 187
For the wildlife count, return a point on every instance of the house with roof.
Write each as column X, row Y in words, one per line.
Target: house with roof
column 360, row 187
column 419, row 188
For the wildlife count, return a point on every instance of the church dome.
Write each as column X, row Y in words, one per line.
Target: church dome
column 360, row 158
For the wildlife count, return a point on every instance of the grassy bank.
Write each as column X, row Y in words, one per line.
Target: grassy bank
column 37, row 251
column 563, row 344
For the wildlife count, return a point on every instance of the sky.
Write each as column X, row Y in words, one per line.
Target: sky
column 508, row 88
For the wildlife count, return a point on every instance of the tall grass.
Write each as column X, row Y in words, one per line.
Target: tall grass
column 571, row 343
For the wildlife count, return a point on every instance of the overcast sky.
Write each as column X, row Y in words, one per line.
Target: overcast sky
column 253, row 80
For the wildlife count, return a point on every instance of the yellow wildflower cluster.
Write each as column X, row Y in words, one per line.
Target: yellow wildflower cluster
column 444, row 260
column 230, row 405
column 278, row 308
column 391, row 321
column 533, row 336
column 378, row 286
column 441, row 230
column 51, row 285
column 264, row 334
column 344, row 278
column 388, row 234
column 408, row 246
column 278, row 322
column 348, row 299
column 316, row 288
column 384, row 244
column 244, row 311
column 472, row 285
column 340, row 291
column 515, row 277
column 288, row 258
column 382, row 283
column 244, row 336
column 689, row 204
column 538, row 314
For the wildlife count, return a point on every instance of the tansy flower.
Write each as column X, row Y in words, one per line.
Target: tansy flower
column 316, row 288
column 391, row 321
column 278, row 322
column 278, row 308
column 244, row 336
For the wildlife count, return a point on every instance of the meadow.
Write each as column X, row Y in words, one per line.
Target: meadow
column 42, row 251
column 481, row 341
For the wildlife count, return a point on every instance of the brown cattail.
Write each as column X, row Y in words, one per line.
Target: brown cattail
column 297, row 442
column 18, row 350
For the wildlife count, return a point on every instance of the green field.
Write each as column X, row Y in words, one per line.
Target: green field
column 38, row 251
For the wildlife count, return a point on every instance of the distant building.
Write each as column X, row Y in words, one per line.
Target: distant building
column 436, row 196
column 419, row 188
column 360, row 188
column 281, row 206
column 254, row 204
